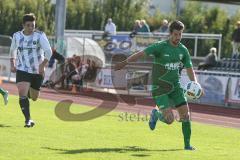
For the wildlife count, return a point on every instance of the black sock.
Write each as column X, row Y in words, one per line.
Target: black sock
column 24, row 104
column 29, row 94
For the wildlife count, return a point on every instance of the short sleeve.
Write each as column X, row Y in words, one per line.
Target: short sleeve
column 45, row 46
column 13, row 47
column 153, row 49
column 187, row 59
column 44, row 42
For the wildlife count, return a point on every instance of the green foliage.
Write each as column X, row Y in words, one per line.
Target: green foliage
column 115, row 136
column 155, row 21
column 12, row 12
column 207, row 20
column 124, row 12
column 92, row 15
column 76, row 13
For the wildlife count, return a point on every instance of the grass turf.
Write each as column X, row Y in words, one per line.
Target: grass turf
column 113, row 136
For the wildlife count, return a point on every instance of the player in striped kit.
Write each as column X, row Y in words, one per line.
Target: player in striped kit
column 30, row 51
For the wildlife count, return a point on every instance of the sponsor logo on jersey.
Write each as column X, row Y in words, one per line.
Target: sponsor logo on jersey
column 181, row 56
column 172, row 66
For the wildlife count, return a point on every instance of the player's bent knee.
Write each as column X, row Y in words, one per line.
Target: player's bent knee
column 34, row 98
column 34, row 95
column 169, row 119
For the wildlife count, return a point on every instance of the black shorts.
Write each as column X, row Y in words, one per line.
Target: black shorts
column 35, row 80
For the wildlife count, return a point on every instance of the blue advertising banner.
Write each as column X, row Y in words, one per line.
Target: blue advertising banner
column 118, row 44
column 214, row 86
column 234, row 90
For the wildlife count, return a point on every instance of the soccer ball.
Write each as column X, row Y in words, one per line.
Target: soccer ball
column 193, row 90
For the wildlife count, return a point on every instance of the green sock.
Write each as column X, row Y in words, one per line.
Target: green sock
column 2, row 91
column 186, row 130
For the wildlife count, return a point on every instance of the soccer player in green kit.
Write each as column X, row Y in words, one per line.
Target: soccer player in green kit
column 4, row 93
column 166, row 91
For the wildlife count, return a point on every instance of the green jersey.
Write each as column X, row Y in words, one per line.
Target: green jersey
column 167, row 60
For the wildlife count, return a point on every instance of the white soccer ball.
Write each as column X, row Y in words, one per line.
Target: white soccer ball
column 193, row 90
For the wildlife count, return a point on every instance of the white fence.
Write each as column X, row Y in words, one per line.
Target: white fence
column 151, row 37
column 221, row 88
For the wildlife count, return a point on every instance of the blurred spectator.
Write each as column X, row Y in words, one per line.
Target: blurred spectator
column 144, row 26
column 91, row 72
column 75, row 70
column 52, row 68
column 210, row 60
column 83, row 73
column 77, row 79
column 110, row 27
column 69, row 71
column 78, row 61
column 85, row 67
column 236, row 39
column 59, row 57
column 164, row 27
column 51, row 62
column 55, row 56
column 136, row 28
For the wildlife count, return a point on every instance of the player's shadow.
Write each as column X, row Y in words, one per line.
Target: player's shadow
column 140, row 155
column 116, row 150
column 4, row 126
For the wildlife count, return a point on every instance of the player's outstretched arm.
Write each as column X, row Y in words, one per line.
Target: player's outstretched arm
column 192, row 76
column 131, row 58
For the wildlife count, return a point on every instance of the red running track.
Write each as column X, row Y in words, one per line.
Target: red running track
column 227, row 117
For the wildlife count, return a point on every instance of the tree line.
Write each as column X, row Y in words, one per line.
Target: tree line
column 92, row 15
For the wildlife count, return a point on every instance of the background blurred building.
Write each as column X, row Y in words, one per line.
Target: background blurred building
column 166, row 6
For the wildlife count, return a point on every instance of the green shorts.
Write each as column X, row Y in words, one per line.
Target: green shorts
column 174, row 98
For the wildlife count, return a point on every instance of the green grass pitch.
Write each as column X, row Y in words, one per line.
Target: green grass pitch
column 110, row 137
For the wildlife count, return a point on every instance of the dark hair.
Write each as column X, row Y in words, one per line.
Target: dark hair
column 177, row 25
column 28, row 17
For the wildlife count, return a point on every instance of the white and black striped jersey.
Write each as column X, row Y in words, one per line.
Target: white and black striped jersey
column 29, row 50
